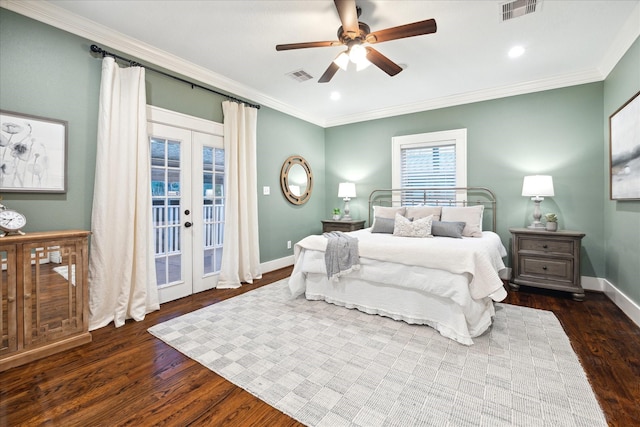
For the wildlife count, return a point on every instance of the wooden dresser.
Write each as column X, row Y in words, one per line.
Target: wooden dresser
column 45, row 295
column 547, row 259
column 340, row 225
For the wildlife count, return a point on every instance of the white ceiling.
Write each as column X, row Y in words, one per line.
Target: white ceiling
column 231, row 44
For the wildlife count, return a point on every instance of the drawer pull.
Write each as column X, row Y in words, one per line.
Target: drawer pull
column 545, row 246
column 544, row 268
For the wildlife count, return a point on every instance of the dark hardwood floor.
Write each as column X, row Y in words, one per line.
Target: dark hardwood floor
column 128, row 377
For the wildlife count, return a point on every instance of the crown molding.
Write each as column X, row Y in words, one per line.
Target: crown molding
column 627, row 35
column 112, row 40
column 57, row 17
column 557, row 82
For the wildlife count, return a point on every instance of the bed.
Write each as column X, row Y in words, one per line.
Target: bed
column 447, row 280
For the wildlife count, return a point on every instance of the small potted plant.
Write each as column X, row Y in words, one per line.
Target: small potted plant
column 552, row 221
column 336, row 214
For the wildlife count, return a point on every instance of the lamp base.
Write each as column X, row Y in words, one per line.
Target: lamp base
column 347, row 210
column 536, row 226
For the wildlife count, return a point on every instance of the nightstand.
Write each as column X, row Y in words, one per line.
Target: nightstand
column 340, row 225
column 547, row 259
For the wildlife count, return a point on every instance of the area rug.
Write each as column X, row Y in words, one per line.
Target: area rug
column 325, row 365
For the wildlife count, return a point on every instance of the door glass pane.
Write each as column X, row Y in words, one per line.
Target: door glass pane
column 165, row 190
column 213, row 207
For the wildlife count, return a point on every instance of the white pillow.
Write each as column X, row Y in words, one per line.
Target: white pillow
column 420, row 227
column 470, row 215
column 386, row 212
column 416, row 212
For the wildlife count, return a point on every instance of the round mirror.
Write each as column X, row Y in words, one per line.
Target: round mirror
column 296, row 180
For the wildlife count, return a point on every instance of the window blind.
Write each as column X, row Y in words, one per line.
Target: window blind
column 428, row 166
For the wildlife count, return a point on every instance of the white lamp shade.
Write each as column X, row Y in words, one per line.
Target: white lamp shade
column 357, row 53
column 342, row 61
column 537, row 186
column 347, row 190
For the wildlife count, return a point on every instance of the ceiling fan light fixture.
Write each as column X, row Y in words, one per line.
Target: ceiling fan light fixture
column 357, row 37
column 357, row 53
column 361, row 65
column 342, row 61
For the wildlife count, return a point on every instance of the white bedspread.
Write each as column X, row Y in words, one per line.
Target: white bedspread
column 480, row 258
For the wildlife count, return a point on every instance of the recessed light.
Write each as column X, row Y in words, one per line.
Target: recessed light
column 335, row 96
column 516, row 51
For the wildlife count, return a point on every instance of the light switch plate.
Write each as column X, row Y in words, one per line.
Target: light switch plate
column 266, row 190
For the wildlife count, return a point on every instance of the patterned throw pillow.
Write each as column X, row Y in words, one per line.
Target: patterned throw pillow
column 404, row 227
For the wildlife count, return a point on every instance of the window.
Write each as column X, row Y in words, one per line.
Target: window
column 436, row 159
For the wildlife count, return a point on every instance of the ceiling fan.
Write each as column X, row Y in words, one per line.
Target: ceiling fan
column 357, row 36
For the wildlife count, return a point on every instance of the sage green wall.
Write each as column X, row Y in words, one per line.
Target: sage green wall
column 556, row 132
column 280, row 220
column 48, row 72
column 621, row 218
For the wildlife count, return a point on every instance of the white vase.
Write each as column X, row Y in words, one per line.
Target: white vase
column 336, row 217
column 551, row 226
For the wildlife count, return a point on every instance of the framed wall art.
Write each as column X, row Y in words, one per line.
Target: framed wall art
column 33, row 154
column 624, row 151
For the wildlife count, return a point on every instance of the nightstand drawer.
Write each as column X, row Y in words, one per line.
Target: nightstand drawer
column 546, row 245
column 341, row 225
column 547, row 259
column 546, row 268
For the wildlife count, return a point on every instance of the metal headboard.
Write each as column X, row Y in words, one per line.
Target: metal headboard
column 436, row 196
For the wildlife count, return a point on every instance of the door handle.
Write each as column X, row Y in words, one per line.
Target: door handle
column 187, row 224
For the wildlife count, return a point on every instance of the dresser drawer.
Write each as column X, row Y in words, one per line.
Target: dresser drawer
column 547, row 268
column 557, row 246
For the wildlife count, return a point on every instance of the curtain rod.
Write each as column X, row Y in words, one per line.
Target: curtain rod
column 132, row 63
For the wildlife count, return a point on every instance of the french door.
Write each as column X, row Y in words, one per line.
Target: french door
column 187, row 187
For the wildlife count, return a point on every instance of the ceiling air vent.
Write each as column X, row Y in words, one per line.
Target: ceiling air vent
column 300, row 75
column 517, row 8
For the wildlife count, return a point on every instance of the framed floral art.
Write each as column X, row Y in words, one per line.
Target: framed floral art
column 33, row 154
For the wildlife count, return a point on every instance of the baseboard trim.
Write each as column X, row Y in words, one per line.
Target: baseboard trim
column 276, row 264
column 624, row 303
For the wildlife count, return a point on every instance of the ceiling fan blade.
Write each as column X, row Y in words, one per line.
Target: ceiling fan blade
column 409, row 30
column 348, row 16
column 291, row 46
column 382, row 62
column 328, row 75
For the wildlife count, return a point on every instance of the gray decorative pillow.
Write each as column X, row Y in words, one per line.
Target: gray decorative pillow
column 447, row 229
column 404, row 227
column 383, row 225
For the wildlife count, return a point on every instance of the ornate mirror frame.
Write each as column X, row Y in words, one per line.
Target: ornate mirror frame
column 292, row 196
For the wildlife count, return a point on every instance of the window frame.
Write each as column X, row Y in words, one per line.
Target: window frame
column 427, row 140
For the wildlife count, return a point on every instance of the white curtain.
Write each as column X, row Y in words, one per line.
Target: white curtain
column 122, row 278
column 240, row 251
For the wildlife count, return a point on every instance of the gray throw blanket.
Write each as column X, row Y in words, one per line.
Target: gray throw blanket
column 341, row 256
